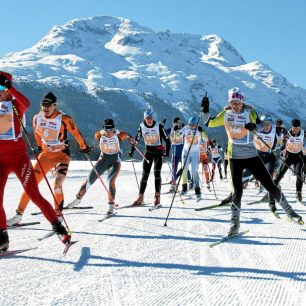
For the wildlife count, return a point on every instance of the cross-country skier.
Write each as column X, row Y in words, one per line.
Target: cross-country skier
column 239, row 121
column 225, row 163
column 50, row 128
column 177, row 145
column 109, row 141
column 281, row 132
column 14, row 158
column 215, row 149
column 192, row 141
column 204, row 161
column 293, row 142
column 153, row 134
column 265, row 142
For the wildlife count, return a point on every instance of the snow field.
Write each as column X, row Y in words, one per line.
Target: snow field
column 132, row 259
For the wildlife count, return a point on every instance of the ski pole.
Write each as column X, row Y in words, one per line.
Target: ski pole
column 212, row 182
column 99, row 177
column 141, row 153
column 179, row 180
column 39, row 164
column 135, row 175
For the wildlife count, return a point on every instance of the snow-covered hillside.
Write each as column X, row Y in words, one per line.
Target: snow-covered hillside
column 107, row 56
column 132, row 259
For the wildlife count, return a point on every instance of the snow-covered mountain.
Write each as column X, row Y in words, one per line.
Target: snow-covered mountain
column 106, row 66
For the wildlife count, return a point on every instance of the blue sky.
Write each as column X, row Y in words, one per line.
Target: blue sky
column 270, row 31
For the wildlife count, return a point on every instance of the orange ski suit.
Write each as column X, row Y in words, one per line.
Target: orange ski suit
column 53, row 156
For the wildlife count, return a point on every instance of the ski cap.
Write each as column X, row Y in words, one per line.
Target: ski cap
column 176, row 119
column 266, row 119
column 109, row 125
column 48, row 99
column 192, row 120
column 279, row 121
column 235, row 94
column 7, row 75
column 296, row 123
column 148, row 113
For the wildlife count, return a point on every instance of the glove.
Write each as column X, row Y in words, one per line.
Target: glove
column 175, row 128
column 200, row 129
column 131, row 152
column 5, row 82
column 87, row 150
column 38, row 149
column 205, row 105
column 250, row 126
column 165, row 156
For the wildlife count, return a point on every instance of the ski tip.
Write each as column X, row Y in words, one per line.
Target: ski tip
column 67, row 246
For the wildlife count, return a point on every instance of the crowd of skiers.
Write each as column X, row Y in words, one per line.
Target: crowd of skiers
column 255, row 146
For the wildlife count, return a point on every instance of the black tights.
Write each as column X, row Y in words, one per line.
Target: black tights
column 146, row 168
column 256, row 166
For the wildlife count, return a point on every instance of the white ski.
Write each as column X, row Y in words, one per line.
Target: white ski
column 155, row 207
column 107, row 217
column 226, row 238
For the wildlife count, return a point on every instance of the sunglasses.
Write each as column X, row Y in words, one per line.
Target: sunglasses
column 2, row 88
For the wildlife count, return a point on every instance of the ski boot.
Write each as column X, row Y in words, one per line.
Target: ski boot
column 184, row 189
column 110, row 209
column 14, row 220
column 208, row 185
column 61, row 232
column 272, row 205
column 157, row 200
column 4, row 241
column 197, row 193
column 139, row 200
column 172, row 187
column 291, row 214
column 235, row 223
column 298, row 197
column 75, row 203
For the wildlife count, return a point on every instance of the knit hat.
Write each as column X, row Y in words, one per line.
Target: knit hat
column 148, row 113
column 235, row 94
column 176, row 119
column 7, row 75
column 48, row 99
column 192, row 120
column 296, row 123
column 108, row 124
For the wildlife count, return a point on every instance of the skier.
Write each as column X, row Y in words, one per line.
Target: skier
column 109, row 141
column 280, row 132
column 225, row 163
column 177, row 145
column 293, row 142
column 215, row 149
column 265, row 142
column 50, row 128
column 192, row 141
column 14, row 158
column 153, row 134
column 204, row 161
column 239, row 122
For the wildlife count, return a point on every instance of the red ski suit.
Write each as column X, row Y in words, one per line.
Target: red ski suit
column 14, row 157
